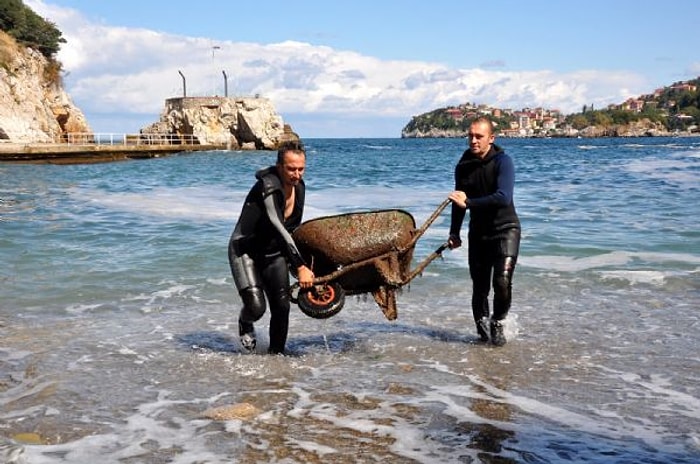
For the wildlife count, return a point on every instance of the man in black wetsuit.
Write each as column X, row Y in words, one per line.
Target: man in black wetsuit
column 261, row 250
column 484, row 183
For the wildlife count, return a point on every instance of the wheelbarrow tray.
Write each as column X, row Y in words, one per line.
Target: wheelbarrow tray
column 376, row 245
column 360, row 252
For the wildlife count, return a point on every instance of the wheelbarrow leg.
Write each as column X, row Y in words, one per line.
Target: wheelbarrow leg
column 385, row 297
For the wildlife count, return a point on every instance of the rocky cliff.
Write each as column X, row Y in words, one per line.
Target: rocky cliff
column 233, row 123
column 642, row 128
column 33, row 105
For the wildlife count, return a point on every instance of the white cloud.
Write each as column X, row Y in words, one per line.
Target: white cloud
column 125, row 70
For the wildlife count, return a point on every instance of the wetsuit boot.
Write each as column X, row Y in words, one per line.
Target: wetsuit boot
column 480, row 311
column 482, row 328
column 246, row 332
column 498, row 338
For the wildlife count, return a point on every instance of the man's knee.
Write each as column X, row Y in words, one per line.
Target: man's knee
column 253, row 304
column 503, row 279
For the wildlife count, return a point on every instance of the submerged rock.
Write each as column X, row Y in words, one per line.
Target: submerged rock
column 241, row 411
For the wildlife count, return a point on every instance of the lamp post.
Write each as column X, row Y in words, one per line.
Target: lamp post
column 213, row 55
column 184, row 84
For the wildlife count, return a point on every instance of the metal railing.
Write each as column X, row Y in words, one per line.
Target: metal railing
column 88, row 138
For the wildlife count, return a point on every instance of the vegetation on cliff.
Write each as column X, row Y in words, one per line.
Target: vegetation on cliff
column 29, row 29
column 24, row 27
column 676, row 107
column 444, row 120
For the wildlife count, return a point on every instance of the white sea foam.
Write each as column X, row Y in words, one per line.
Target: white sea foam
column 208, row 203
column 81, row 308
column 637, row 277
column 678, row 170
column 612, row 259
column 192, row 203
column 152, row 424
column 171, row 291
column 574, row 264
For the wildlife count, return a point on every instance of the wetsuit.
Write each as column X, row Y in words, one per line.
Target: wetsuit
column 261, row 252
column 494, row 228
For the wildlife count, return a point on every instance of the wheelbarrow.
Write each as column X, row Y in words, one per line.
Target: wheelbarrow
column 356, row 253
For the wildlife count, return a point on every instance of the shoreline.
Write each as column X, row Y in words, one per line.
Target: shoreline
column 58, row 153
column 559, row 136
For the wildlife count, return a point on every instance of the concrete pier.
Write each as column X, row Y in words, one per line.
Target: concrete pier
column 61, row 153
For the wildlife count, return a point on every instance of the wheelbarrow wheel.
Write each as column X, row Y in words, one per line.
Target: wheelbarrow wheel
column 321, row 301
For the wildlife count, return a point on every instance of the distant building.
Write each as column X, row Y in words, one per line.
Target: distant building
column 684, row 87
column 455, row 113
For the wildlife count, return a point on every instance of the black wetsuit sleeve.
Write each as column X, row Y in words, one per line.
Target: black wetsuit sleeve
column 458, row 213
column 505, row 184
column 291, row 249
column 457, row 218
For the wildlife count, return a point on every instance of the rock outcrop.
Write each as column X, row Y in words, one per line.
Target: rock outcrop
column 434, row 133
column 34, row 108
column 233, row 123
column 641, row 128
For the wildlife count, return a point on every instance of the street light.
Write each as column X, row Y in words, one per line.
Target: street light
column 213, row 51
column 184, row 84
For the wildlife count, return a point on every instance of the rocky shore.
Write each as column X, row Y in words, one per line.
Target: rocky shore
column 642, row 128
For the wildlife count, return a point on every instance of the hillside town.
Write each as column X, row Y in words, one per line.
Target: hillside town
column 641, row 115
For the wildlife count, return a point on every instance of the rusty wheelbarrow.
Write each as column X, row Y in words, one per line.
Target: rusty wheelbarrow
column 355, row 253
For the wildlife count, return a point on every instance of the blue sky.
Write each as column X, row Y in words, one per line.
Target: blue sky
column 361, row 68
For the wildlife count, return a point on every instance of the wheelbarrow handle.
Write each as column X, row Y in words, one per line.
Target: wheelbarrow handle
column 429, row 259
column 428, row 222
column 442, row 248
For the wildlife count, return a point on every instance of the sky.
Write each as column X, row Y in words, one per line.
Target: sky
column 363, row 69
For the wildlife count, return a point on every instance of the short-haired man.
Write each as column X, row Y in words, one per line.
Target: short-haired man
column 484, row 183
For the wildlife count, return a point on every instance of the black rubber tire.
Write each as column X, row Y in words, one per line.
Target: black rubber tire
column 321, row 301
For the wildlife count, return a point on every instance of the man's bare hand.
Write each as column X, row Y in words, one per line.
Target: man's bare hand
column 459, row 198
column 306, row 277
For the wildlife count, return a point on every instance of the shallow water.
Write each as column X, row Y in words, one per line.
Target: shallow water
column 118, row 315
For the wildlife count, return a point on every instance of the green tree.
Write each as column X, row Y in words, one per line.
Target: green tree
column 578, row 121
column 30, row 29
column 601, row 118
column 11, row 16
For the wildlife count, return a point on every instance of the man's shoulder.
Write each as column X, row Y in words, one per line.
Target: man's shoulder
column 269, row 180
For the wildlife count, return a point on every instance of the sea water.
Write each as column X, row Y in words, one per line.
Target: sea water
column 118, row 315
